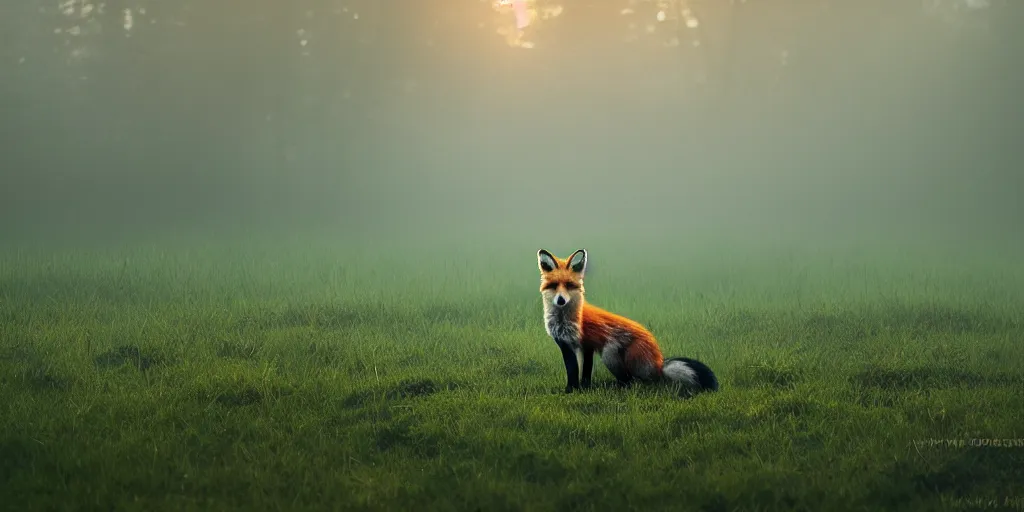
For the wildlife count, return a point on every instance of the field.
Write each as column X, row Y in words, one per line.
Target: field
column 311, row 375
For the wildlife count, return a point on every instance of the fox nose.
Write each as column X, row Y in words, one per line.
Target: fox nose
column 560, row 301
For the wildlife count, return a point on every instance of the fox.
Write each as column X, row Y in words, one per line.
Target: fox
column 629, row 351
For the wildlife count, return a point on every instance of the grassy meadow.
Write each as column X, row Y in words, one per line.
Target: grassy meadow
column 314, row 375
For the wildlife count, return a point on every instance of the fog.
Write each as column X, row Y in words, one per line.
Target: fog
column 774, row 119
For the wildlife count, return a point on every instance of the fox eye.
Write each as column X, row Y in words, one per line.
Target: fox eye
column 551, row 286
column 571, row 286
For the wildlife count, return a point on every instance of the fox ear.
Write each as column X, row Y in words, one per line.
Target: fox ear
column 546, row 261
column 578, row 261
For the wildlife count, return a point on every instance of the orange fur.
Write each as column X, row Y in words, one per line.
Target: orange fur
column 599, row 326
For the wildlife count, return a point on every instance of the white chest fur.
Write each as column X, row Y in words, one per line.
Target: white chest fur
column 561, row 326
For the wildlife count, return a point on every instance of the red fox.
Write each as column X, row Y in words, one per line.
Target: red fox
column 628, row 349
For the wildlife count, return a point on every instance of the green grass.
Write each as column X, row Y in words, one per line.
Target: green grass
column 311, row 376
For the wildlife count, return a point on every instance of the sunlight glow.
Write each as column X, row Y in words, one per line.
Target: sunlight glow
column 659, row 19
column 516, row 16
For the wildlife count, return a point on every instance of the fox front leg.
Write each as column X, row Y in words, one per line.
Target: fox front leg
column 572, row 366
column 588, row 368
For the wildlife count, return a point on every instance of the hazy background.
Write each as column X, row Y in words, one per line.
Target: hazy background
column 800, row 120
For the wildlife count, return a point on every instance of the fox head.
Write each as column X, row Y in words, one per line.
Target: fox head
column 561, row 281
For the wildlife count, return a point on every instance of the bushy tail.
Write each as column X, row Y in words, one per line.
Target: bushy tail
column 691, row 375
